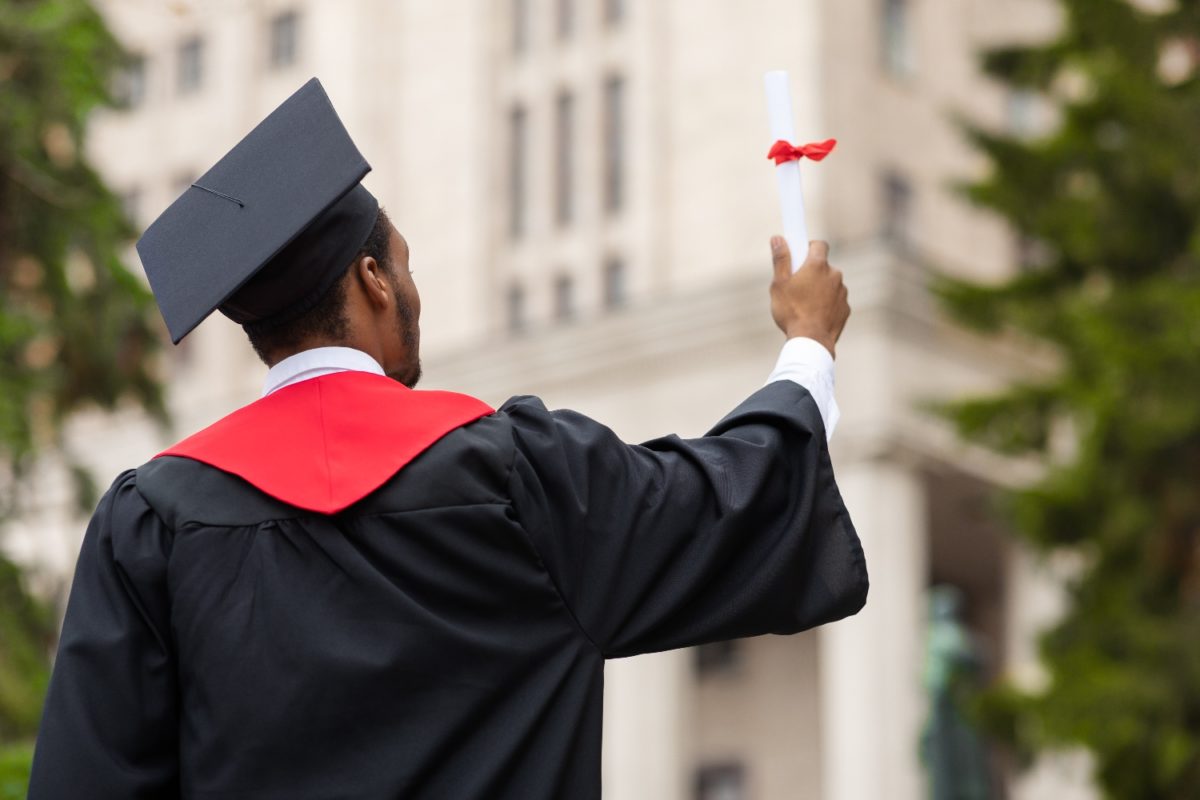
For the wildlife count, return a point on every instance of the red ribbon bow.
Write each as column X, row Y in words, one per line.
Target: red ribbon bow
column 784, row 152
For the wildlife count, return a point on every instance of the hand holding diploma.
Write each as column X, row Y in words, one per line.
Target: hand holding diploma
column 787, row 158
column 812, row 302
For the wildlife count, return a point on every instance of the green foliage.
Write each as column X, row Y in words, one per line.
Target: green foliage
column 75, row 324
column 76, row 329
column 1113, row 197
column 15, row 762
column 26, row 631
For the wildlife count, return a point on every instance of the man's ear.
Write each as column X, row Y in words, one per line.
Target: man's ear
column 372, row 276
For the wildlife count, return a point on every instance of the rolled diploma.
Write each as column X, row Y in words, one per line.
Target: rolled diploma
column 791, row 190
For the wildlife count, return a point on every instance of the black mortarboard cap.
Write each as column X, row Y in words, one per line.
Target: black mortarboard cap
column 269, row 228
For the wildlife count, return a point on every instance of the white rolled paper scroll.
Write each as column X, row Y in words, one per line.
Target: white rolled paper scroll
column 791, row 189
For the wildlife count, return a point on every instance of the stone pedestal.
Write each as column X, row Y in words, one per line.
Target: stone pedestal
column 872, row 706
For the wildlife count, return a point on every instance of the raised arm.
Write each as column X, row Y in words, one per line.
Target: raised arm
column 677, row 542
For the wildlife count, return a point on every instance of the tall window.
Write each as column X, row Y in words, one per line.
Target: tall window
column 564, row 21
column 614, row 11
column 614, row 143
column 1031, row 253
column 615, row 289
column 718, row 657
column 564, row 158
column 284, row 44
column 183, row 355
column 129, row 83
column 518, row 131
column 721, row 782
column 896, row 42
column 182, row 182
column 131, row 205
column 564, row 298
column 515, row 302
column 519, row 19
column 897, row 209
column 190, row 65
column 1022, row 113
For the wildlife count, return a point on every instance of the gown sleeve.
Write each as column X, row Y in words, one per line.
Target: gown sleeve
column 678, row 542
column 110, row 724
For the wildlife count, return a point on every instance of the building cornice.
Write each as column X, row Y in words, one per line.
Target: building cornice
column 891, row 298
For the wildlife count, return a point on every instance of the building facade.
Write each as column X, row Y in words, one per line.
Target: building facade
column 584, row 189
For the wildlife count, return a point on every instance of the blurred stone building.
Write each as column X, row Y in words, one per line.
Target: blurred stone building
column 584, row 187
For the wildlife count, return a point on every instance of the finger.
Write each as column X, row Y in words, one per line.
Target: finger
column 844, row 317
column 818, row 252
column 782, row 257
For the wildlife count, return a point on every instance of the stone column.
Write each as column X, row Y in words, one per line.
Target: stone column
column 872, row 704
column 646, row 727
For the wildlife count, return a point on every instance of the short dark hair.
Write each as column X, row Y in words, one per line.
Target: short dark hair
column 327, row 318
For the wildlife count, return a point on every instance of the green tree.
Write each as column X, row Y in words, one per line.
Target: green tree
column 76, row 329
column 1111, row 199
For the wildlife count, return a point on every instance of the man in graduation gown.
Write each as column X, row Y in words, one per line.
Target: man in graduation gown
column 352, row 589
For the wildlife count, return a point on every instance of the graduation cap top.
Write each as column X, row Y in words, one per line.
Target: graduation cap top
column 269, row 228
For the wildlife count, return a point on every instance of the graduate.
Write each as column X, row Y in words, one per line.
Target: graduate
column 353, row 589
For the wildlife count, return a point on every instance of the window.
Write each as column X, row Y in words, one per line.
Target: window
column 896, row 42
column 517, row 147
column 1022, row 113
column 190, row 74
column 564, row 298
column 520, row 26
column 614, row 11
column 1031, row 254
column 897, row 210
column 721, row 782
column 516, row 308
column 182, row 182
column 614, row 143
column 131, row 205
column 564, row 158
column 615, row 290
column 129, row 83
column 565, row 19
column 284, row 44
column 183, row 355
column 717, row 657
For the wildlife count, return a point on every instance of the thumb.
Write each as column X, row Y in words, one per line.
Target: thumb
column 782, row 257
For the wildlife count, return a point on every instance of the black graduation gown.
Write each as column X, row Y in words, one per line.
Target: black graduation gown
column 445, row 636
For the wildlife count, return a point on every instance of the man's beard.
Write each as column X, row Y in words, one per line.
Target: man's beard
column 409, row 332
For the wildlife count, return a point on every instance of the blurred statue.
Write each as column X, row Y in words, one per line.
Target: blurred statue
column 952, row 753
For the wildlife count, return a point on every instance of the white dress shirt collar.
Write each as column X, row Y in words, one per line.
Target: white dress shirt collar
column 314, row 363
